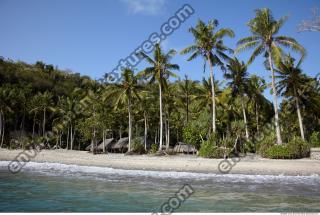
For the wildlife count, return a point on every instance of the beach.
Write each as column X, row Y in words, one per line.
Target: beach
column 250, row 165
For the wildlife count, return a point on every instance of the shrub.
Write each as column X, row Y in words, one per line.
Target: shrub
column 208, row 150
column 154, row 148
column 298, row 147
column 192, row 135
column 266, row 141
column 138, row 147
column 278, row 152
column 249, row 146
column 315, row 139
column 295, row 148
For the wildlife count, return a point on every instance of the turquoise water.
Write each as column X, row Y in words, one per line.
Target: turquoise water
column 69, row 188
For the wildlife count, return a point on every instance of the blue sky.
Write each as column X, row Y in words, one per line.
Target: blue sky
column 90, row 37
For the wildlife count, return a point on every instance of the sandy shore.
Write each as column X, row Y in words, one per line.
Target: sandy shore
column 186, row 163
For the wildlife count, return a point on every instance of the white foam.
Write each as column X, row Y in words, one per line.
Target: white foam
column 70, row 169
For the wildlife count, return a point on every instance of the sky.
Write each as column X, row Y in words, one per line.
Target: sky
column 90, row 37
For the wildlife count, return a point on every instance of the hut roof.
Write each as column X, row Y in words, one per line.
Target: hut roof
column 108, row 143
column 184, row 148
column 122, row 143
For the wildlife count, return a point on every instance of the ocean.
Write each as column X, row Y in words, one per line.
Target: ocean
column 53, row 187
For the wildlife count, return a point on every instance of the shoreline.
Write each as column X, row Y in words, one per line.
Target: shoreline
column 178, row 163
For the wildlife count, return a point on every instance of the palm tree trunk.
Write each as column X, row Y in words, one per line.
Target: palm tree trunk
column 299, row 115
column 1, row 127
column 71, row 137
column 145, row 130
column 161, row 123
column 34, row 124
column 213, row 95
column 3, row 131
column 245, row 118
column 103, row 141
column 44, row 122
column 168, row 134
column 130, row 124
column 68, row 138
column 275, row 101
column 257, row 119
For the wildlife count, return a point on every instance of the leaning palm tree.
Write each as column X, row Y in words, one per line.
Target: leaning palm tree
column 292, row 84
column 160, row 71
column 209, row 45
column 238, row 82
column 265, row 40
column 124, row 93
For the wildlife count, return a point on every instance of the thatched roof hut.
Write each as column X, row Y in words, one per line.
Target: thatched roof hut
column 107, row 144
column 184, row 148
column 121, row 144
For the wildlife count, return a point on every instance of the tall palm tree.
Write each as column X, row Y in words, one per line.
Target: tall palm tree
column 238, row 82
column 292, row 84
column 124, row 93
column 209, row 45
column 264, row 39
column 5, row 100
column 185, row 95
column 256, row 87
column 160, row 71
column 45, row 104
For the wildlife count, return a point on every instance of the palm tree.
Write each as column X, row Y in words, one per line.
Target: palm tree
column 292, row 84
column 5, row 98
column 185, row 95
column 256, row 87
column 209, row 45
column 264, row 39
column 238, row 82
column 159, row 71
column 124, row 93
column 45, row 104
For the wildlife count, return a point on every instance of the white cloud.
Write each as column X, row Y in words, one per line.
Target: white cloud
column 150, row 7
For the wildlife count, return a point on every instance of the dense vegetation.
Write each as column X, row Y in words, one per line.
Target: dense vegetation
column 42, row 105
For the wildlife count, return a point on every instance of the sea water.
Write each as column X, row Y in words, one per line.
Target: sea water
column 53, row 187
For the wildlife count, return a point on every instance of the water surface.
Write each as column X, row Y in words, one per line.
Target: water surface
column 44, row 187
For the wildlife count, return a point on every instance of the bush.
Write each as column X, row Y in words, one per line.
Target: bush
column 265, row 142
column 193, row 135
column 138, row 147
column 315, row 139
column 295, row 148
column 154, row 148
column 249, row 146
column 208, row 150
column 298, row 147
column 278, row 152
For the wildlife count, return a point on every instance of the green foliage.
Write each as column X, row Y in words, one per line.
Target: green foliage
column 315, row 139
column 266, row 141
column 137, row 146
column 249, row 147
column 278, row 152
column 154, row 148
column 193, row 135
column 208, row 150
column 294, row 149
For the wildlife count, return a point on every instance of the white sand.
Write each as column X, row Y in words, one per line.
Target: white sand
column 185, row 163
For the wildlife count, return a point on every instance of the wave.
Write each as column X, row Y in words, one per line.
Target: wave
column 71, row 169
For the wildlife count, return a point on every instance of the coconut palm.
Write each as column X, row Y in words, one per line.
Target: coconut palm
column 45, row 104
column 209, row 45
column 264, row 39
column 185, row 95
column 160, row 71
column 238, row 82
column 292, row 84
column 5, row 97
column 256, row 87
column 124, row 93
